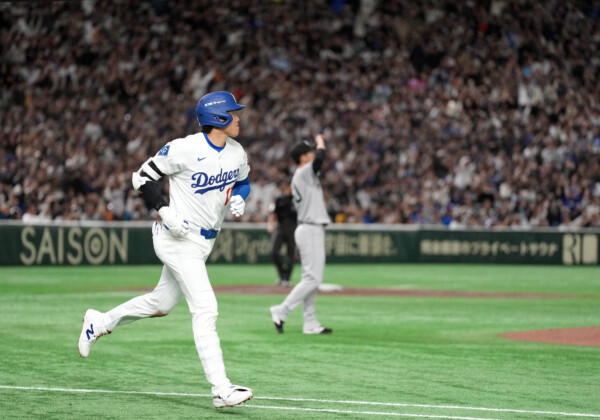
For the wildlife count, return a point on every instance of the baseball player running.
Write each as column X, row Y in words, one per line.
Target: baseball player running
column 208, row 173
column 309, row 236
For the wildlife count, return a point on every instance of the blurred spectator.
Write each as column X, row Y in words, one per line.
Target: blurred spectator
column 455, row 113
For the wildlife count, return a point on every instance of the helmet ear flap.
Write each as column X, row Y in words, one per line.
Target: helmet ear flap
column 221, row 121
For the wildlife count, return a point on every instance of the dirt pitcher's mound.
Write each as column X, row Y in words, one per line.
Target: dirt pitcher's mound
column 586, row 336
column 256, row 289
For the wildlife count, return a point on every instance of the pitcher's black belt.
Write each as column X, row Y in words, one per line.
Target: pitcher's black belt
column 209, row 233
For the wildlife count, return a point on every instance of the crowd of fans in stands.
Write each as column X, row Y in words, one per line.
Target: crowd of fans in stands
column 456, row 112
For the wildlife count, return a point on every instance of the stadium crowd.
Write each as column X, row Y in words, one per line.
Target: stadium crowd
column 456, row 113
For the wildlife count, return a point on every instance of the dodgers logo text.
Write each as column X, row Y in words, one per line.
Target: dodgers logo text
column 204, row 182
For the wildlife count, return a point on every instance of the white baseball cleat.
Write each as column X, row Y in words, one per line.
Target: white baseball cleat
column 233, row 395
column 93, row 328
column 277, row 321
column 317, row 330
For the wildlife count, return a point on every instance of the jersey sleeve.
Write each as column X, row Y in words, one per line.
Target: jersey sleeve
column 244, row 168
column 168, row 160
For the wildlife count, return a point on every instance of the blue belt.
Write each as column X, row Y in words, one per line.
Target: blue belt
column 209, row 233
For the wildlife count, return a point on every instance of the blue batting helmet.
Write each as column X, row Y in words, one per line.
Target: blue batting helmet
column 214, row 107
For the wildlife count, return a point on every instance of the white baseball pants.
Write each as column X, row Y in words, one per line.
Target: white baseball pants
column 184, row 274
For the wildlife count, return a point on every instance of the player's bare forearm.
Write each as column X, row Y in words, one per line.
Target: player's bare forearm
column 320, row 141
column 271, row 222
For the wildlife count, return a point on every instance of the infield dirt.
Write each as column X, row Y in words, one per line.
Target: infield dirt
column 586, row 336
column 580, row 336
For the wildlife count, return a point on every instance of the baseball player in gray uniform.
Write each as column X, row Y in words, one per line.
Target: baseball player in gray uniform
column 309, row 236
column 208, row 173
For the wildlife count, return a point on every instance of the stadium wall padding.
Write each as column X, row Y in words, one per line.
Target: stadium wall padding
column 131, row 243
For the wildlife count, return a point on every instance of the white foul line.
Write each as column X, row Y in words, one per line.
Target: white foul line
column 372, row 413
column 453, row 407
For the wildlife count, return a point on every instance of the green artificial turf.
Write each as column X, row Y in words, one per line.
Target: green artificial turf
column 412, row 356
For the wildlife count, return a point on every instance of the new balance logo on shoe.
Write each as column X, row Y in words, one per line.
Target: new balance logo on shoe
column 90, row 331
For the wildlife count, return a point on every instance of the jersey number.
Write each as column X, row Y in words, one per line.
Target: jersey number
column 228, row 195
column 297, row 195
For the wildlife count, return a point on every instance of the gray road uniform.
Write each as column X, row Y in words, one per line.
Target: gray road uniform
column 310, row 239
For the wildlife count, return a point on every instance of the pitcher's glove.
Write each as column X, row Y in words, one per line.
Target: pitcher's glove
column 237, row 205
column 175, row 224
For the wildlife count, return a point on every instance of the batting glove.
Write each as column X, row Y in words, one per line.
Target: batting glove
column 237, row 205
column 174, row 223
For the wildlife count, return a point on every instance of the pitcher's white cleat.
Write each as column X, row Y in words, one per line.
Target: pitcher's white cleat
column 233, row 395
column 93, row 328
column 277, row 321
column 317, row 330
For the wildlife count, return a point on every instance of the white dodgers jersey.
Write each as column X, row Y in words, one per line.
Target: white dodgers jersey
column 201, row 177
